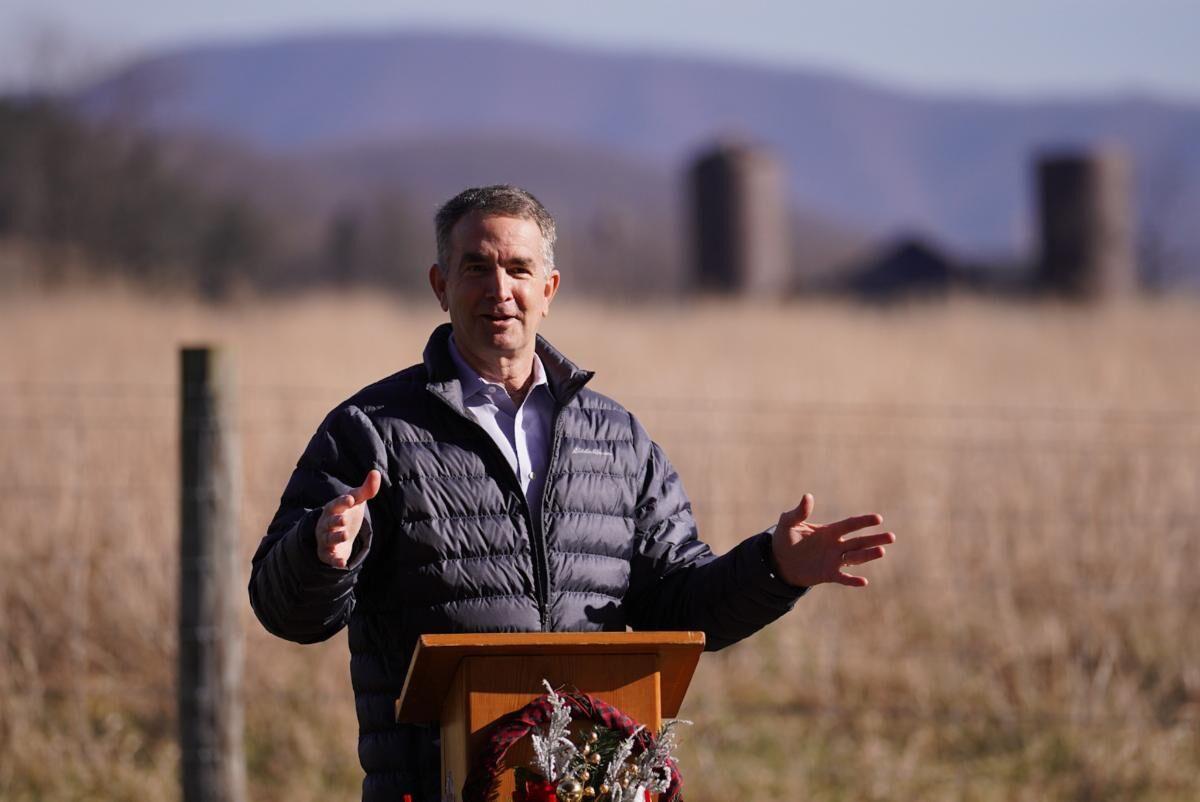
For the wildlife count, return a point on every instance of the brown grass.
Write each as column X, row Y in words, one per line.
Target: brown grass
column 1031, row 635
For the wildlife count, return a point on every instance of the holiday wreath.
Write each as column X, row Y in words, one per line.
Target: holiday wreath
column 618, row 760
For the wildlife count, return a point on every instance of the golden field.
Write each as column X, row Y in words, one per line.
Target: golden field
column 1031, row 635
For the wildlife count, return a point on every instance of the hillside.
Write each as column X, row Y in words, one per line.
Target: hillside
column 870, row 157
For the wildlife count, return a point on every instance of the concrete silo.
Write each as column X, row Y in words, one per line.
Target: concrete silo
column 1087, row 228
column 741, row 241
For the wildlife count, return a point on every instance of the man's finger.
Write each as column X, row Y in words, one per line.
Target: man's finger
column 370, row 486
column 867, row 541
column 848, row 525
column 850, row 580
column 340, row 505
column 860, row 556
column 335, row 536
column 801, row 511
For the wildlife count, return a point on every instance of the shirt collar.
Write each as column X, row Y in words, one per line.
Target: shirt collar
column 473, row 384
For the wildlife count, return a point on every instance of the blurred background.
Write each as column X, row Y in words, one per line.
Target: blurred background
column 935, row 259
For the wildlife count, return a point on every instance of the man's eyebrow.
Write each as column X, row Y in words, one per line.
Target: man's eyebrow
column 515, row 261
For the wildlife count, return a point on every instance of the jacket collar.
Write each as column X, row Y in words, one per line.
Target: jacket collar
column 563, row 376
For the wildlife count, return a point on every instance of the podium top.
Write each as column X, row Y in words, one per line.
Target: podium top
column 437, row 657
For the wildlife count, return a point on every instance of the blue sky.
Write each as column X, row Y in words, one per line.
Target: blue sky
column 1017, row 47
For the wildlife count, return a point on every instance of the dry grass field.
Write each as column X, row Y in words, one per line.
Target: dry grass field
column 1031, row 636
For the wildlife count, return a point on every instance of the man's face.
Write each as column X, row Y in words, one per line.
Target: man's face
column 495, row 288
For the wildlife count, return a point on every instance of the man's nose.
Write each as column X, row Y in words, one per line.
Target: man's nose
column 499, row 284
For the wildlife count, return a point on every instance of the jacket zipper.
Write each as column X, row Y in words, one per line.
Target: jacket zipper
column 544, row 562
column 537, row 539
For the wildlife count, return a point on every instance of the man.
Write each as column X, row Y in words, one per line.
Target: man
column 486, row 489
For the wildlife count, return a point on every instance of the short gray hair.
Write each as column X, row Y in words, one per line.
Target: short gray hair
column 503, row 200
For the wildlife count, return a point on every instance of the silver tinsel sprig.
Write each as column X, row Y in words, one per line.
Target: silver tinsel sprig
column 628, row 779
column 653, row 767
column 616, row 766
column 553, row 749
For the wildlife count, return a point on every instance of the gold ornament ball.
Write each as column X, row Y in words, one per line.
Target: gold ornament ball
column 589, row 791
column 587, row 750
column 585, row 775
column 604, row 789
column 569, row 790
column 593, row 736
column 594, row 759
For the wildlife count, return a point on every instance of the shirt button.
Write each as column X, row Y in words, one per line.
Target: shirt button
column 531, row 474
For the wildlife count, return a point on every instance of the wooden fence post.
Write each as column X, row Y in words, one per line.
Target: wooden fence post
column 210, row 585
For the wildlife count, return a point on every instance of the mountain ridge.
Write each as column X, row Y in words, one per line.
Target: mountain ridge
column 877, row 159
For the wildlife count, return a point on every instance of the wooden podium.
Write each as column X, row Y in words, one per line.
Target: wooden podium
column 469, row 681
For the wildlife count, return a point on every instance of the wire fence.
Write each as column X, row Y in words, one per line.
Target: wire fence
column 77, row 390
column 1059, row 435
column 706, row 435
column 163, row 698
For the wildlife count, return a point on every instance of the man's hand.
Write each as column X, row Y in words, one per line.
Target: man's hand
column 808, row 554
column 341, row 519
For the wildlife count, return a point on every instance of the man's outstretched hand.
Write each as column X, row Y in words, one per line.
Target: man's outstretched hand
column 808, row 554
column 341, row 519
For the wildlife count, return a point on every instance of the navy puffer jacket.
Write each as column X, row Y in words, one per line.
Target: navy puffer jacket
column 448, row 544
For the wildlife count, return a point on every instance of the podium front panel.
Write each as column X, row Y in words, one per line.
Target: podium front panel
column 485, row 689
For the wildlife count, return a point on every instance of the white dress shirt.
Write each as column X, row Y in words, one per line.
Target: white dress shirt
column 522, row 433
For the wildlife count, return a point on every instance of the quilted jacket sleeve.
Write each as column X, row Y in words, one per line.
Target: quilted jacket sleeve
column 678, row 584
column 294, row 594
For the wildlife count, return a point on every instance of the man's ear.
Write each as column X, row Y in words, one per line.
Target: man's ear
column 550, row 290
column 438, row 282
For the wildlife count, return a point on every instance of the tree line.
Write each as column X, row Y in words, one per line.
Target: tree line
column 106, row 196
